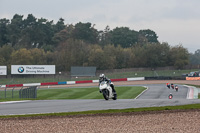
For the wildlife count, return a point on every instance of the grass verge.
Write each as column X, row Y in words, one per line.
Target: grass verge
column 129, row 92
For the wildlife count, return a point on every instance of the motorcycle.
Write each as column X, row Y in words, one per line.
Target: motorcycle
column 168, row 86
column 176, row 88
column 172, row 85
column 106, row 89
column 170, row 96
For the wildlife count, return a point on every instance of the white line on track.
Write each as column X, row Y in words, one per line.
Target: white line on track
column 142, row 92
column 14, row 101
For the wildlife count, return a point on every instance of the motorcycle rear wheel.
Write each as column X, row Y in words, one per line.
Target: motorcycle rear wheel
column 115, row 97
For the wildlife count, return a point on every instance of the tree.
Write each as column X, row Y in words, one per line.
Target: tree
column 105, row 36
column 38, row 32
column 180, row 56
column 124, row 57
column 150, row 35
column 60, row 25
column 97, row 57
column 15, row 28
column 21, row 57
column 140, row 54
column 195, row 58
column 2, row 60
column 63, row 35
column 5, row 52
column 85, row 31
column 156, row 55
column 39, row 57
column 71, row 53
column 4, row 31
column 110, row 56
column 28, row 33
column 123, row 36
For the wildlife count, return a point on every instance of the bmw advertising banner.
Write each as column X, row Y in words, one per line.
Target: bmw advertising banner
column 33, row 69
column 3, row 70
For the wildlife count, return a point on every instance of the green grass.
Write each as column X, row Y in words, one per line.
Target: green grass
column 129, row 92
column 87, row 93
column 9, row 94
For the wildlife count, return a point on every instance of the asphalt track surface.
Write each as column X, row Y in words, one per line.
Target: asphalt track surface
column 155, row 96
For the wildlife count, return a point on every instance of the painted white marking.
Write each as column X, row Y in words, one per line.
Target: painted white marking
column 14, row 102
column 142, row 92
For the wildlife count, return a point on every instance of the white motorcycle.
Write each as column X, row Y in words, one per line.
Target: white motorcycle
column 106, row 89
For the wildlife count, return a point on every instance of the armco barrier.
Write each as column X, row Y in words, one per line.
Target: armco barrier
column 165, row 78
column 49, row 83
column 69, row 82
column 122, row 79
column 14, row 85
column 62, row 83
column 134, row 79
column 158, row 78
column 86, row 81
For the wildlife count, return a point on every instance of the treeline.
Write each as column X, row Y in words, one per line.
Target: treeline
column 33, row 41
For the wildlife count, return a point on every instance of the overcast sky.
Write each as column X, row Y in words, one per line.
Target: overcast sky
column 174, row 21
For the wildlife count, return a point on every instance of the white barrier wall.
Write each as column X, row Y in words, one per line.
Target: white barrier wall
column 137, row 78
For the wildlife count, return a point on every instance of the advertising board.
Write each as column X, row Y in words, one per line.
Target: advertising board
column 3, row 70
column 33, row 69
column 192, row 78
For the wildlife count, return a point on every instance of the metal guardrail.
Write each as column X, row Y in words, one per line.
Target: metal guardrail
column 30, row 92
column 16, row 92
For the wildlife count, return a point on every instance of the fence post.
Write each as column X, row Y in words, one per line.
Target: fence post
column 12, row 91
column 5, row 92
column 20, row 93
column 36, row 92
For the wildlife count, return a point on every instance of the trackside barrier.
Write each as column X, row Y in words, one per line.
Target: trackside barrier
column 62, row 83
column 86, row 81
column 17, row 92
column 70, row 82
column 192, row 78
column 14, row 85
column 123, row 79
column 32, row 84
column 133, row 79
column 30, row 92
column 192, row 92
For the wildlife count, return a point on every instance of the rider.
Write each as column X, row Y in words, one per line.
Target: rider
column 172, row 85
column 176, row 87
column 170, row 96
column 102, row 77
column 168, row 85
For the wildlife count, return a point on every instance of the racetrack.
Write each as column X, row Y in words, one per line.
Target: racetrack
column 144, row 122
column 155, row 95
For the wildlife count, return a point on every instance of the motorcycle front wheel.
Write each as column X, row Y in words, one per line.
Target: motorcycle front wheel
column 106, row 94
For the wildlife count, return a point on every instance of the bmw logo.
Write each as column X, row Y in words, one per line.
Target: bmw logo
column 20, row 69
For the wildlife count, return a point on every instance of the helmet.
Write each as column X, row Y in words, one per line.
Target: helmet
column 102, row 76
